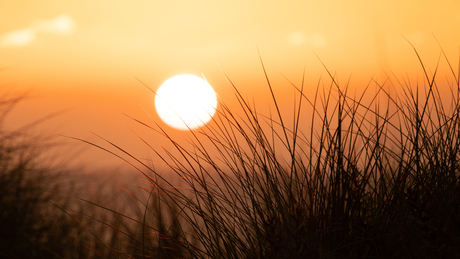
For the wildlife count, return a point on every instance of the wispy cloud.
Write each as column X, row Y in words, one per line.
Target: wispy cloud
column 18, row 38
column 62, row 24
column 297, row 38
column 300, row 38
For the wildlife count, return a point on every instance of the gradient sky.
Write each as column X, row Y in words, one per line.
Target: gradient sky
column 86, row 55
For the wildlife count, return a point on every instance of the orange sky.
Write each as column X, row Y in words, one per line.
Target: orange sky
column 85, row 54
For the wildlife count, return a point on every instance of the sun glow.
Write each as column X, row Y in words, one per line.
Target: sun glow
column 185, row 102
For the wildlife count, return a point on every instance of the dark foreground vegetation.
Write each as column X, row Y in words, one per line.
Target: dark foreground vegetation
column 31, row 226
column 358, row 176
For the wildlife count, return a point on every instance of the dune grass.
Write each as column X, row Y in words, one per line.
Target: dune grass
column 368, row 176
column 374, row 175
column 28, row 226
column 36, row 199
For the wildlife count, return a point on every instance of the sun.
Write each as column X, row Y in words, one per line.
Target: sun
column 185, row 102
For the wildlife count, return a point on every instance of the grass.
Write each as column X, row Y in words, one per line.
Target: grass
column 367, row 178
column 26, row 230
column 374, row 175
column 36, row 199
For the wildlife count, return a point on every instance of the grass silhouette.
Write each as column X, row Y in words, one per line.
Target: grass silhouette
column 369, row 179
column 29, row 227
column 36, row 199
column 368, row 176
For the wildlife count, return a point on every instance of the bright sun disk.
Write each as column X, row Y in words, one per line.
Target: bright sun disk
column 185, row 101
